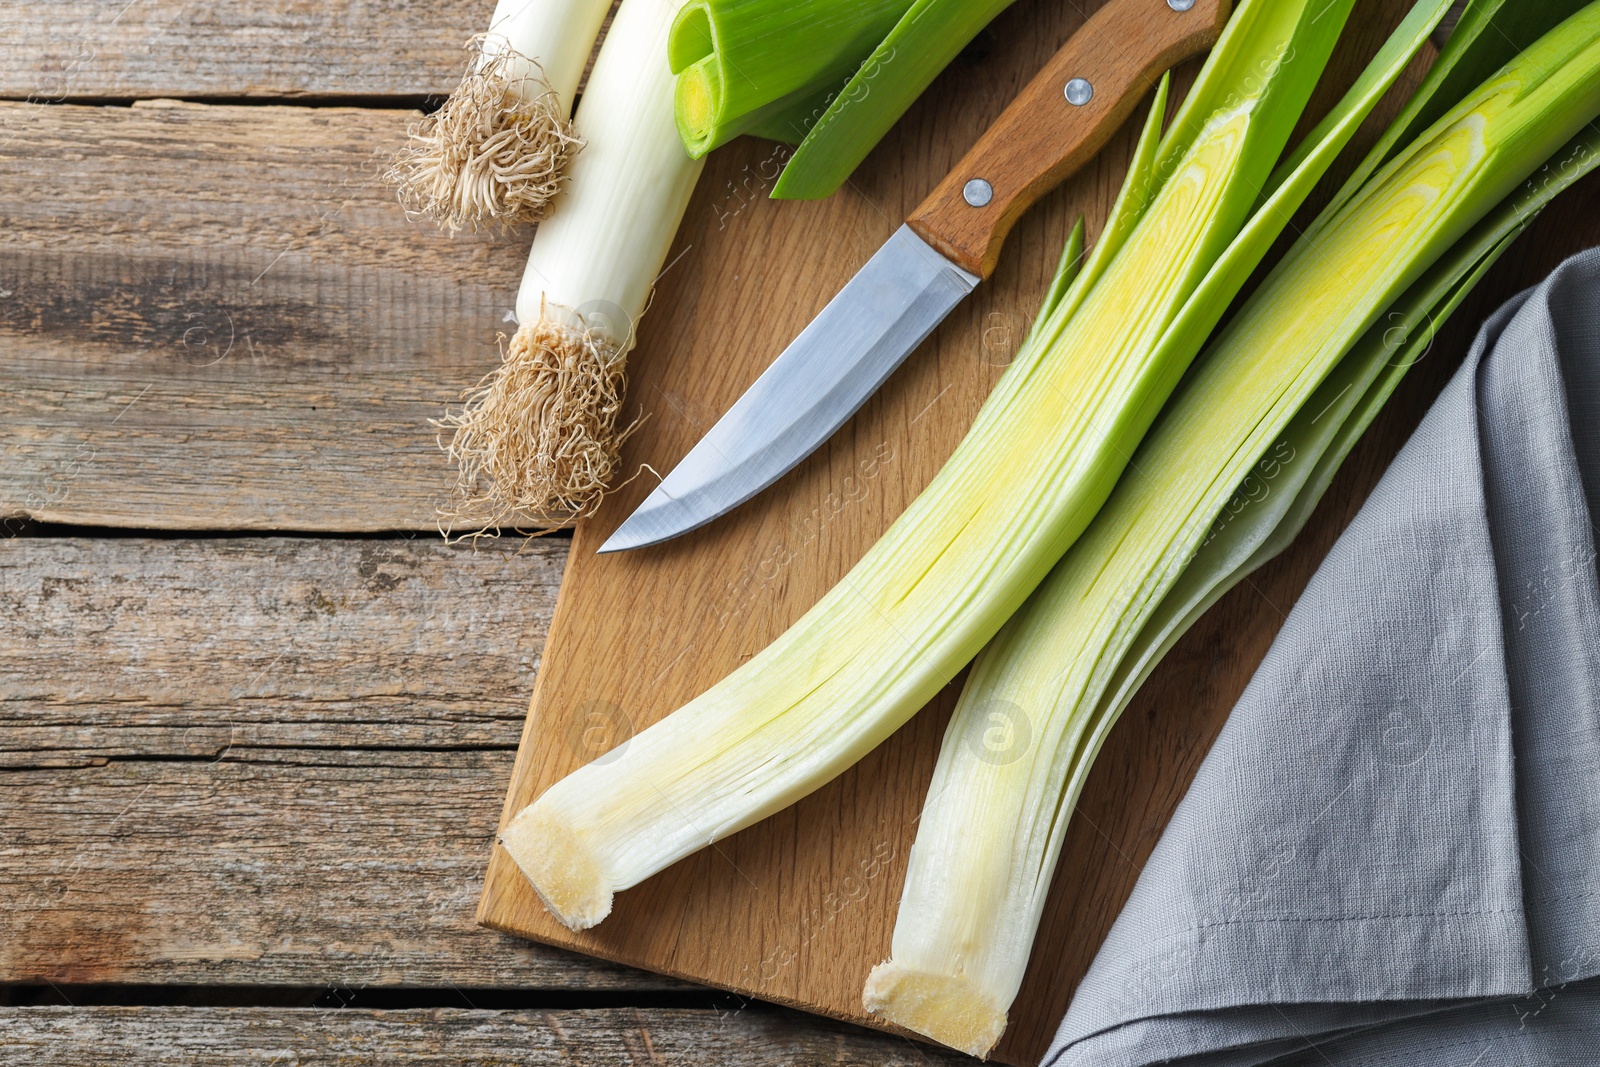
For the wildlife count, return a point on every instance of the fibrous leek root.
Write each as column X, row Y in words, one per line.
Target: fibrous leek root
column 537, row 439
column 495, row 152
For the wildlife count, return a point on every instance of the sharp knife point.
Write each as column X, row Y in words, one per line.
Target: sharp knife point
column 644, row 527
column 624, row 539
column 613, row 544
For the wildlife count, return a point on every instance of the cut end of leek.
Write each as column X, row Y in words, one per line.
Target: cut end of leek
column 560, row 867
column 495, row 152
column 950, row 1009
column 697, row 104
column 697, row 97
column 537, row 439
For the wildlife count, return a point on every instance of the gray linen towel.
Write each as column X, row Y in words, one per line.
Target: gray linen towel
column 1392, row 853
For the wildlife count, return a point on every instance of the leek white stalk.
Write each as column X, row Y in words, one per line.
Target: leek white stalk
column 1064, row 667
column 538, row 437
column 1038, row 462
column 498, row 148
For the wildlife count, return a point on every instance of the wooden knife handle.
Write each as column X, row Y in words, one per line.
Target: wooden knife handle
column 1047, row 133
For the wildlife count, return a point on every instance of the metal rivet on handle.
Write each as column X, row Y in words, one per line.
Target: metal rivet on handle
column 1180, row 5
column 977, row 192
column 1079, row 92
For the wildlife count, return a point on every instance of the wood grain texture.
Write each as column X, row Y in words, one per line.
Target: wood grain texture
column 185, row 649
column 264, row 761
column 798, row 908
column 1121, row 51
column 54, row 50
column 218, row 318
column 307, row 1037
column 372, row 51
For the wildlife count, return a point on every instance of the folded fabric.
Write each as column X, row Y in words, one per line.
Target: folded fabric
column 1392, row 853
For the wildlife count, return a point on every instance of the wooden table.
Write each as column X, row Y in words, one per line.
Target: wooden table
column 256, row 718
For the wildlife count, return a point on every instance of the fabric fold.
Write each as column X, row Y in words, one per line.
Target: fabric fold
column 1398, row 830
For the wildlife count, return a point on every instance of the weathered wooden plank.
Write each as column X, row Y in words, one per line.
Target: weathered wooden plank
column 218, row 317
column 308, row 1037
column 290, row 866
column 265, row 761
column 53, row 50
column 180, row 649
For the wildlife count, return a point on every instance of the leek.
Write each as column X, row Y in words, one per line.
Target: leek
column 537, row 439
column 928, row 36
column 1274, row 502
column 1309, row 345
column 1040, row 459
column 1489, row 35
column 742, row 63
column 498, row 148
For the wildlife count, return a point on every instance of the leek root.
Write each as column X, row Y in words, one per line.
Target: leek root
column 498, row 148
column 537, row 439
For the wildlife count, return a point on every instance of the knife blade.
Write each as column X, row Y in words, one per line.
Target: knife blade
column 840, row 359
column 950, row 243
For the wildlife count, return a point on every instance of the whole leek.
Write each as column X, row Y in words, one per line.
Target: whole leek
column 537, row 439
column 1068, row 662
column 498, row 148
column 1038, row 462
column 741, row 63
column 928, row 36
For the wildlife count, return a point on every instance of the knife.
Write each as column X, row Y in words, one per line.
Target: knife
column 949, row 244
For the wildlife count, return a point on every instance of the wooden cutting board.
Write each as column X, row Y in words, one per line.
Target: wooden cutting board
column 797, row 909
